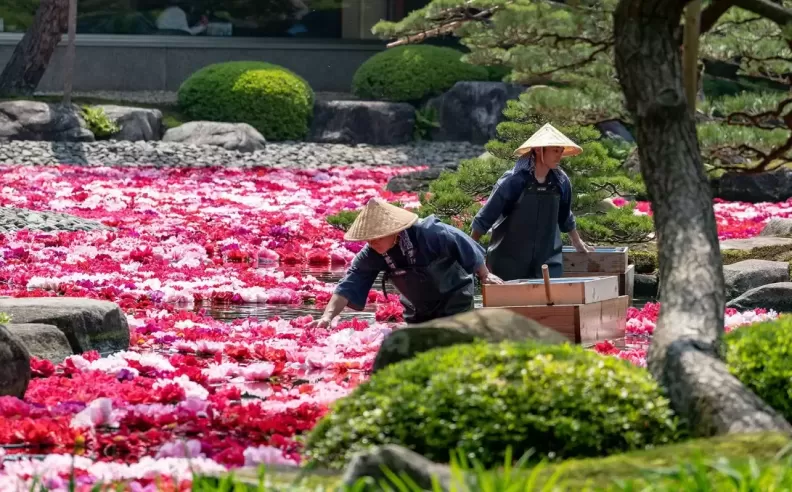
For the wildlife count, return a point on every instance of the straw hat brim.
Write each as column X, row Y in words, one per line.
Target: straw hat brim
column 549, row 136
column 379, row 219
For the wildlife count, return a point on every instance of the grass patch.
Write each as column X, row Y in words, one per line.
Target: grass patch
column 656, row 469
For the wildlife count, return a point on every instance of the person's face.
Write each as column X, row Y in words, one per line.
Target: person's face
column 549, row 156
column 383, row 244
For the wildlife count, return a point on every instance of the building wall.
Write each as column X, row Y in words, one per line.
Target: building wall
column 158, row 63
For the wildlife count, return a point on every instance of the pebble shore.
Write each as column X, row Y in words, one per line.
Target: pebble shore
column 298, row 155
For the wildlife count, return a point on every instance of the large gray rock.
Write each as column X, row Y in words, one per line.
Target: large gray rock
column 757, row 243
column 615, row 129
column 362, row 122
column 773, row 186
column 777, row 297
column 491, row 324
column 778, row 227
column 33, row 120
column 135, row 123
column 645, row 286
column 398, row 460
column 470, row 111
column 230, row 136
column 14, row 365
column 43, row 341
column 87, row 323
column 746, row 275
column 414, row 181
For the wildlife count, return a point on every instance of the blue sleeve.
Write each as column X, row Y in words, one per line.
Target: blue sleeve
column 505, row 193
column 359, row 279
column 566, row 219
column 445, row 240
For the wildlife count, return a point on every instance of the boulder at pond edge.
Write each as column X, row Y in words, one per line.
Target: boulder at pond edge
column 14, row 365
column 492, row 325
column 745, row 275
column 88, row 324
column 777, row 297
column 362, row 122
column 135, row 123
column 400, row 461
column 34, row 120
column 230, row 136
column 42, row 341
column 778, row 227
column 471, row 111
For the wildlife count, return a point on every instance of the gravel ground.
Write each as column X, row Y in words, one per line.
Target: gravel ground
column 281, row 155
column 13, row 219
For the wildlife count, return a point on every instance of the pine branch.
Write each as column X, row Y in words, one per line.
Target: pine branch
column 579, row 63
column 710, row 15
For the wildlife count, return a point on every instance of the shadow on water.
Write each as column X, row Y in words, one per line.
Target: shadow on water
column 323, row 274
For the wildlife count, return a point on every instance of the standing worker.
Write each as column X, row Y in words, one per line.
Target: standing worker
column 528, row 209
column 430, row 263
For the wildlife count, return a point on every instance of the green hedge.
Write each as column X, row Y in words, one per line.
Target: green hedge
column 760, row 356
column 413, row 73
column 562, row 401
column 274, row 100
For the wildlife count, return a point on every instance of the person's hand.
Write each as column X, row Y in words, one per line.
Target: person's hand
column 323, row 322
column 204, row 20
column 491, row 278
column 582, row 247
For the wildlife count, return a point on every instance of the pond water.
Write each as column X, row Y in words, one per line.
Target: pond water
column 324, row 274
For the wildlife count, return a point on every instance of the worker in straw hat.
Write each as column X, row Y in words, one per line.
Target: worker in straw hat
column 528, row 209
column 430, row 263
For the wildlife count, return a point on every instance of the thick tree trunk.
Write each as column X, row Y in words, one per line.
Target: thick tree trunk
column 29, row 61
column 685, row 355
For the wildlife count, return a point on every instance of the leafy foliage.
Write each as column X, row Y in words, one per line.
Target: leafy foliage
column 570, row 45
column 596, row 174
column 272, row 99
column 101, row 125
column 413, row 73
column 759, row 356
column 558, row 400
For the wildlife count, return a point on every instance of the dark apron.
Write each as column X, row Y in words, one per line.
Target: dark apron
column 442, row 288
column 529, row 236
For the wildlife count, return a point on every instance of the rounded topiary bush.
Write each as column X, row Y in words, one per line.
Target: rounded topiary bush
column 561, row 401
column 272, row 99
column 413, row 73
column 760, row 356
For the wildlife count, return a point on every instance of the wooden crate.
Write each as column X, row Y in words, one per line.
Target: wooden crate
column 563, row 291
column 602, row 260
column 585, row 324
column 626, row 280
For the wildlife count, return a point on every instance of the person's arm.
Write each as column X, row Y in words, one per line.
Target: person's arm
column 506, row 191
column 566, row 219
column 353, row 289
column 468, row 253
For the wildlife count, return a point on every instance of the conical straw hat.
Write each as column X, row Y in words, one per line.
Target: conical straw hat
column 548, row 136
column 379, row 219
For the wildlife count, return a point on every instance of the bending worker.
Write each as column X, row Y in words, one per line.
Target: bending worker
column 430, row 263
column 528, row 209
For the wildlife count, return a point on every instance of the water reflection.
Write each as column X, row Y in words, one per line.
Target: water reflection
column 323, row 274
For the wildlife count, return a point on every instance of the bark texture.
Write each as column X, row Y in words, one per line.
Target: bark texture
column 29, row 61
column 686, row 351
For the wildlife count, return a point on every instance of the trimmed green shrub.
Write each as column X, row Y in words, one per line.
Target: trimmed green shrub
column 759, row 356
column 272, row 99
column 413, row 73
column 562, row 401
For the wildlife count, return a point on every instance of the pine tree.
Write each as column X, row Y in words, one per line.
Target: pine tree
column 570, row 46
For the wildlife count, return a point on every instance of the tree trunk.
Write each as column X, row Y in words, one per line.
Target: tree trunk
column 685, row 354
column 68, row 66
column 29, row 61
